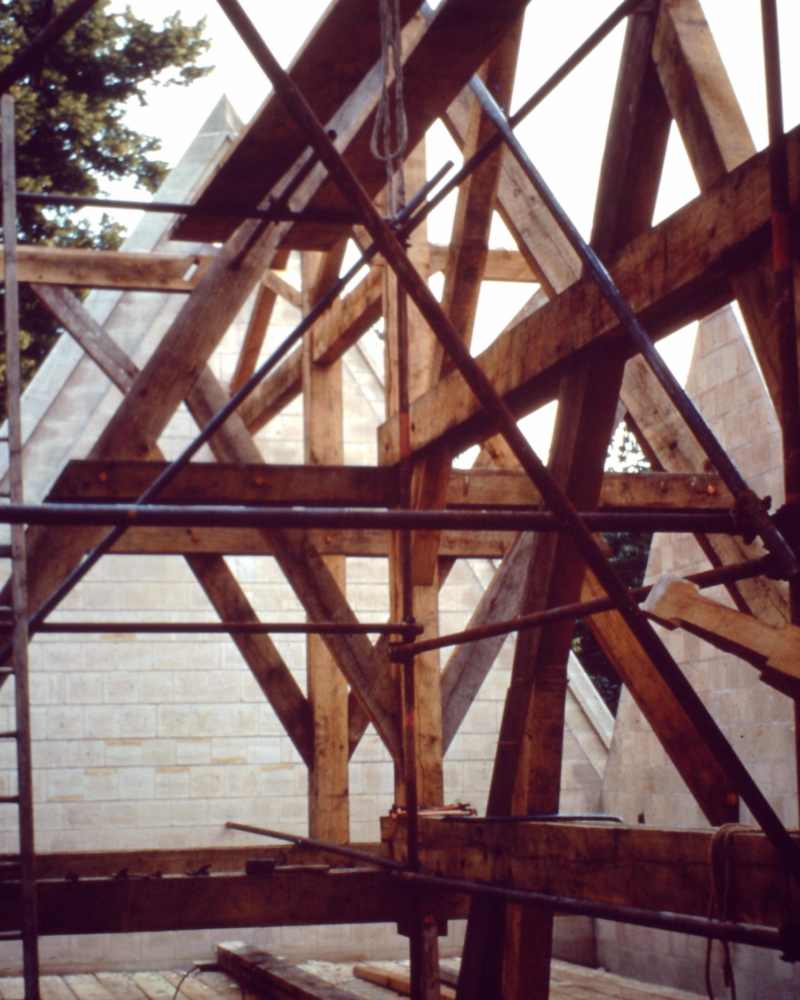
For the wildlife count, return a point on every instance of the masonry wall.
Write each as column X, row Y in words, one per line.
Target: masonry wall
column 641, row 784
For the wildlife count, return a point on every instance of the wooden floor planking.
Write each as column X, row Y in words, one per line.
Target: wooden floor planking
column 568, row 982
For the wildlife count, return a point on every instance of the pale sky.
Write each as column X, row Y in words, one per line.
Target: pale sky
column 564, row 136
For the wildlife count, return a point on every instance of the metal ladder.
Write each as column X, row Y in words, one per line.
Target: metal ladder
column 18, row 669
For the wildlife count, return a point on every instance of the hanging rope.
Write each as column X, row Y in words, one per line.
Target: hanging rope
column 720, row 903
column 390, row 132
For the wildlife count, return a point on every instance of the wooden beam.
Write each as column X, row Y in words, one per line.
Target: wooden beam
column 680, row 258
column 168, row 861
column 538, row 238
column 271, row 143
column 212, row 572
column 367, row 671
column 127, row 906
column 717, row 140
column 369, row 486
column 143, row 272
column 367, row 543
column 656, row 869
column 424, row 597
column 630, row 172
column 323, row 441
column 665, row 714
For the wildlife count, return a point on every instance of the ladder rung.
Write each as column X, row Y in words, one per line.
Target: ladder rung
column 5, row 551
column 9, row 799
column 12, row 734
column 10, row 935
column 4, row 671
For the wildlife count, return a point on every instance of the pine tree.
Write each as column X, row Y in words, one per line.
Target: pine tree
column 70, row 125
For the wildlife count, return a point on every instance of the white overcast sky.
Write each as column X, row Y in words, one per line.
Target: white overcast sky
column 564, row 136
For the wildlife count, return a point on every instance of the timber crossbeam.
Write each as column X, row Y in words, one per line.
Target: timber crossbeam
column 656, row 869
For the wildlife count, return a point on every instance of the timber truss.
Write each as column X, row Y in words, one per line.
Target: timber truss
column 302, row 177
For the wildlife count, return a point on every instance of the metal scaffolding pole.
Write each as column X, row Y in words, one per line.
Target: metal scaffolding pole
column 19, row 591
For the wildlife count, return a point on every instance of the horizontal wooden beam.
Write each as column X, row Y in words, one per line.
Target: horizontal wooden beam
column 167, row 861
column 671, row 274
column 655, row 869
column 127, row 906
column 177, row 902
column 367, row 486
column 146, row 272
column 250, row 542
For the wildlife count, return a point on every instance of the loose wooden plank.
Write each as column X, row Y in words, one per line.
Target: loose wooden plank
column 388, row 975
column 680, row 257
column 275, row 977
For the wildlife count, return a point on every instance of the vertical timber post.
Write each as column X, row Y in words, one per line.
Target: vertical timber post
column 19, row 590
column 328, row 781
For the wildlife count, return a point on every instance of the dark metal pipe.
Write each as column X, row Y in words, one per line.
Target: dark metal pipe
column 752, row 934
column 272, row 214
column 582, row 609
column 145, row 514
column 503, row 419
column 224, row 628
column 31, row 55
column 321, row 845
column 751, row 507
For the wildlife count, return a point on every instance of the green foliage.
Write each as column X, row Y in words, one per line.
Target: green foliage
column 70, row 124
column 629, row 553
